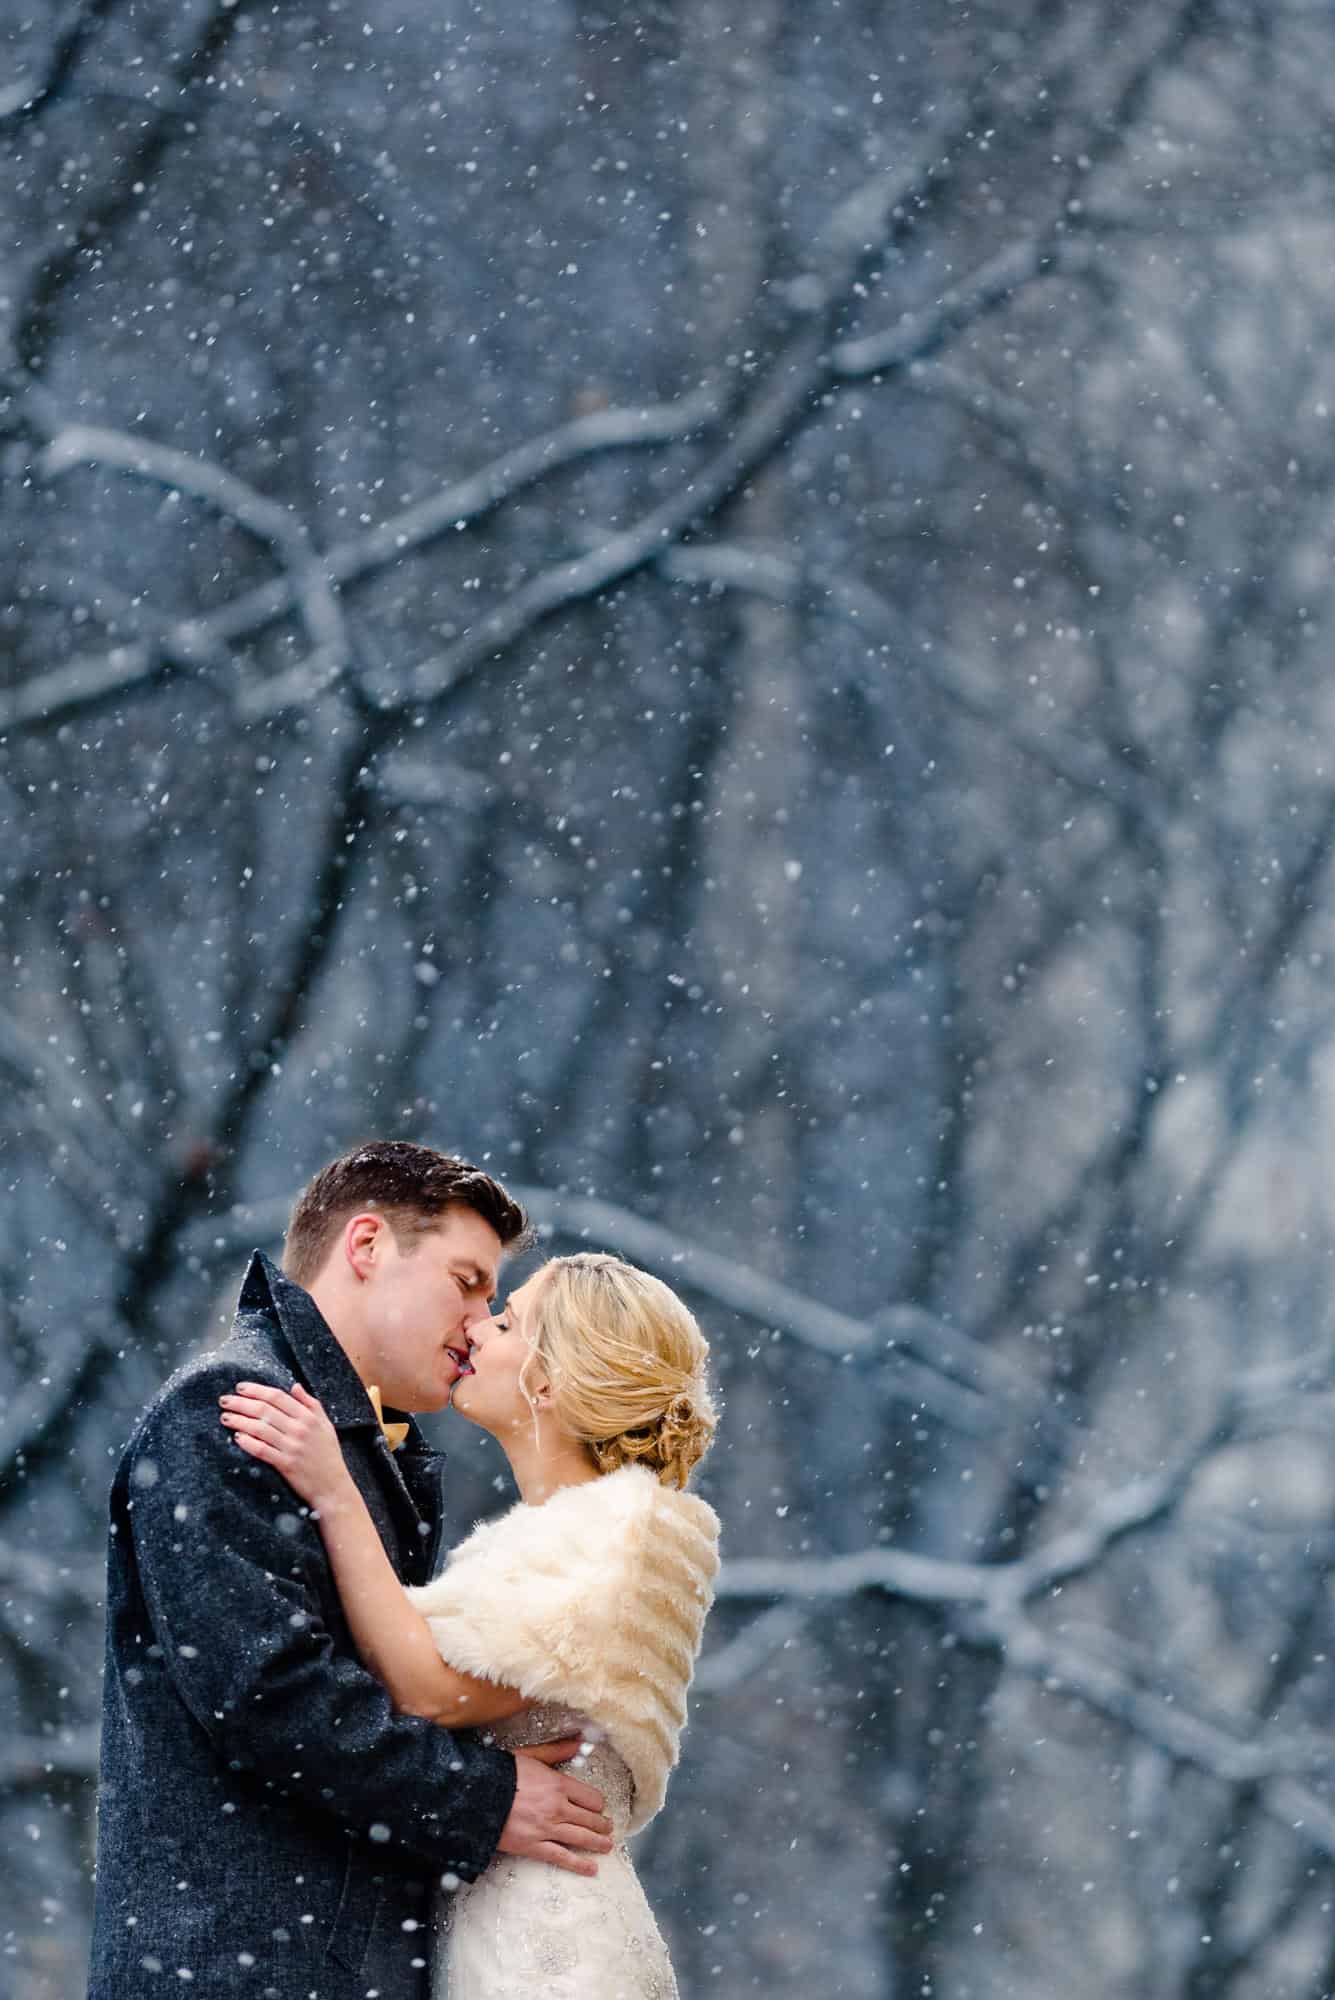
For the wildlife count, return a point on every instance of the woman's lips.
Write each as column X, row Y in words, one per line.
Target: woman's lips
column 459, row 1356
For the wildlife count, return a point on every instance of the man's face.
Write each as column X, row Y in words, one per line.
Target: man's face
column 501, row 1353
column 426, row 1293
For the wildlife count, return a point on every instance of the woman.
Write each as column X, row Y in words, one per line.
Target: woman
column 578, row 1612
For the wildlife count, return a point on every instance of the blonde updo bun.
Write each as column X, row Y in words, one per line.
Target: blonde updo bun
column 627, row 1364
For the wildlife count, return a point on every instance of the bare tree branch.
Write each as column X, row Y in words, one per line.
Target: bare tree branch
column 1234, row 1757
column 29, row 1764
column 787, row 580
column 52, row 269
column 55, row 1583
column 185, row 643
column 731, row 1665
column 33, row 1415
column 268, row 520
column 23, row 97
column 854, row 232
column 990, row 1601
column 724, row 1279
column 84, row 1145
column 920, row 335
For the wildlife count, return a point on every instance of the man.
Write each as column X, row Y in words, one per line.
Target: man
column 268, row 1824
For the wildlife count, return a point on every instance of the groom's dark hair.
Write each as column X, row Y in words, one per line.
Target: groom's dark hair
column 410, row 1185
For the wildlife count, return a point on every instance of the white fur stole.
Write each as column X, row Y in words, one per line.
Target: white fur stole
column 595, row 1599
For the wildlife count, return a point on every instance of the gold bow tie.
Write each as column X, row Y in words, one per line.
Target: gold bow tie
column 395, row 1433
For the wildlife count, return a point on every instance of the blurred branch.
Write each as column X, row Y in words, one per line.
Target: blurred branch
column 731, row 1665
column 997, row 1589
column 186, row 642
column 991, row 1600
column 55, row 1583
column 920, row 335
column 788, row 580
column 1234, row 1756
column 181, row 1188
column 34, row 1414
column 965, row 1406
column 856, row 231
column 33, row 302
column 800, row 372
column 797, row 378
column 267, row 520
column 22, row 98
column 807, row 365
column 30, row 1763
column 1057, row 249
column 1002, row 1588
column 86, row 1149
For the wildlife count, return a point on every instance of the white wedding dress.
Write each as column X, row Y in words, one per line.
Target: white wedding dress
column 592, row 1606
column 528, row 1931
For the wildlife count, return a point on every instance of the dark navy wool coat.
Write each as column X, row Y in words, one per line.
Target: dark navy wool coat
column 268, row 1825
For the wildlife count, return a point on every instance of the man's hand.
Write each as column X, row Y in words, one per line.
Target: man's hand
column 554, row 1817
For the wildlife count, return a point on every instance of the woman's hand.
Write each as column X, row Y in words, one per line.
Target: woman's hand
column 293, row 1434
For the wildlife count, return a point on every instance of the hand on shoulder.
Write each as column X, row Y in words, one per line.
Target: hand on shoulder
column 289, row 1430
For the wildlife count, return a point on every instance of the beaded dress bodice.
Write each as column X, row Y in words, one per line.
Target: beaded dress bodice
column 600, row 1766
column 525, row 1928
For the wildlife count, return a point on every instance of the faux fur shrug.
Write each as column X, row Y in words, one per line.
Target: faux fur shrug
column 596, row 1599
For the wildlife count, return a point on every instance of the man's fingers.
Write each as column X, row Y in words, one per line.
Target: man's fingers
column 561, row 1857
column 569, row 1834
column 591, row 1822
column 586, row 1797
column 553, row 1753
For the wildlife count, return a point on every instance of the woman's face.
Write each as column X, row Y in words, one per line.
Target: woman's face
column 488, row 1391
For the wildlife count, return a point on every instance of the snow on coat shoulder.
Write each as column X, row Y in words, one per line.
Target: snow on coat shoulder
column 596, row 1599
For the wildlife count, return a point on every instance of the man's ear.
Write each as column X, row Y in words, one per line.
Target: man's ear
column 363, row 1243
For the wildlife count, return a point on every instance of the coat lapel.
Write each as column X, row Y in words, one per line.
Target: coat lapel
column 402, row 1488
column 420, row 1473
column 409, row 1482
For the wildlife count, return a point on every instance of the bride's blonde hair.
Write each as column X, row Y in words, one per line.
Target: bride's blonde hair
column 627, row 1365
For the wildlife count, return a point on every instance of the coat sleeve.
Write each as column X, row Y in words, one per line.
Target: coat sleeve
column 225, row 1556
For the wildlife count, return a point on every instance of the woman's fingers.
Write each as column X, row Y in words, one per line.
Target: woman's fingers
column 258, row 1447
column 247, row 1431
column 246, row 1409
column 258, row 1400
column 255, row 1427
column 278, row 1399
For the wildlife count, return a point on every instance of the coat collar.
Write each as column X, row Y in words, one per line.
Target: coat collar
column 409, row 1478
column 327, row 1371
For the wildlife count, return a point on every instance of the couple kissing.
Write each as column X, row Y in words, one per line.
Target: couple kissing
column 339, row 1763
